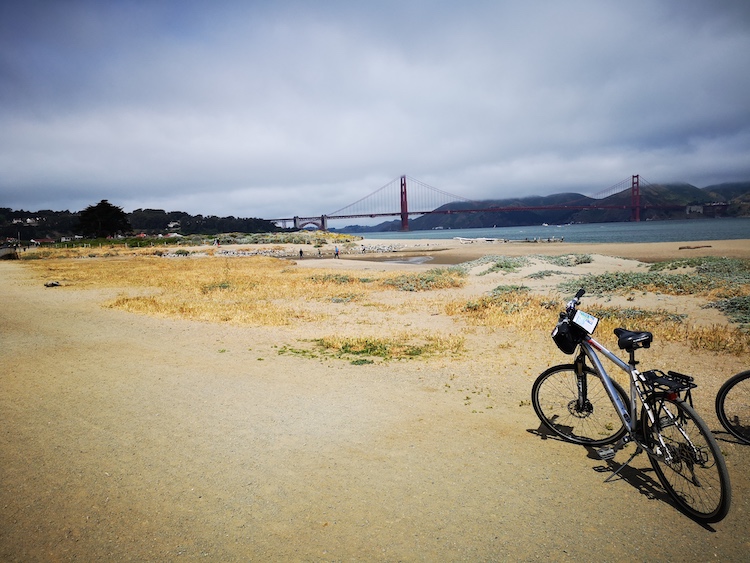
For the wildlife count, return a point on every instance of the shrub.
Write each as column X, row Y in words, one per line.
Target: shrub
column 437, row 278
column 736, row 308
column 569, row 260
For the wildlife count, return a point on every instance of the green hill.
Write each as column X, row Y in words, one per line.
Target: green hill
column 657, row 202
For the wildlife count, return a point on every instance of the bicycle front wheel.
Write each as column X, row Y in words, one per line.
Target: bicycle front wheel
column 686, row 458
column 584, row 417
column 733, row 406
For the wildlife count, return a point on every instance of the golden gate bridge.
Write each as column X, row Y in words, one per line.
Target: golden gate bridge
column 423, row 199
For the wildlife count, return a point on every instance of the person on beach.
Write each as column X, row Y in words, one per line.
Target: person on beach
column 336, row 252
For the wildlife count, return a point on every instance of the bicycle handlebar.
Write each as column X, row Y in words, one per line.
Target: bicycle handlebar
column 573, row 303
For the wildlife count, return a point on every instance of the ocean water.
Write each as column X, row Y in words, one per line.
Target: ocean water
column 645, row 231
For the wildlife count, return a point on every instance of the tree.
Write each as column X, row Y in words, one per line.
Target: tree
column 103, row 220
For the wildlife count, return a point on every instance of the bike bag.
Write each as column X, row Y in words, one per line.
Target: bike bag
column 567, row 335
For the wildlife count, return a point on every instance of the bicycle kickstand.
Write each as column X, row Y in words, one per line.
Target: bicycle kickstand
column 609, row 453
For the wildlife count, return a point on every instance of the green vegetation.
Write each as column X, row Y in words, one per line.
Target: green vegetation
column 341, row 279
column 505, row 289
column 733, row 270
column 736, row 308
column 436, row 278
column 540, row 275
column 103, row 220
column 727, row 278
column 568, row 260
column 511, row 264
column 360, row 350
column 506, row 264
column 621, row 315
column 622, row 282
column 316, row 238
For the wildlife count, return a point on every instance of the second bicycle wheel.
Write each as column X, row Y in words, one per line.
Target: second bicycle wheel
column 590, row 420
column 686, row 458
column 733, row 406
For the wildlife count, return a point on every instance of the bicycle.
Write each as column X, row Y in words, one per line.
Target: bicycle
column 580, row 403
column 733, row 406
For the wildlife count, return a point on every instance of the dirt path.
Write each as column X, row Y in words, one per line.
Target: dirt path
column 132, row 438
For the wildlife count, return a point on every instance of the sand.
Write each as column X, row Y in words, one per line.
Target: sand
column 127, row 437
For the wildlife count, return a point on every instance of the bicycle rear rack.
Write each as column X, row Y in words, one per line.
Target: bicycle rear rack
column 657, row 381
column 670, row 382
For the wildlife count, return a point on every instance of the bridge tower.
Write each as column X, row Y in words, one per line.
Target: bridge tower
column 404, row 206
column 635, row 198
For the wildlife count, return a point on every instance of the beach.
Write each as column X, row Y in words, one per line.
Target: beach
column 131, row 437
column 454, row 251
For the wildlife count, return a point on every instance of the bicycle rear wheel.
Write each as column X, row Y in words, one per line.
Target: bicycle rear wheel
column 592, row 422
column 733, row 406
column 686, row 458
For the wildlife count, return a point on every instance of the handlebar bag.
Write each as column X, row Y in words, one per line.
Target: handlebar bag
column 567, row 336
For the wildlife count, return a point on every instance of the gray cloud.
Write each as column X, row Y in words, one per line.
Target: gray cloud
column 282, row 108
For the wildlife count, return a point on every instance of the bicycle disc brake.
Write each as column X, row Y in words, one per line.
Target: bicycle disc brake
column 579, row 412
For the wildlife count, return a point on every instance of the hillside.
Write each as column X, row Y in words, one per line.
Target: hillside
column 658, row 202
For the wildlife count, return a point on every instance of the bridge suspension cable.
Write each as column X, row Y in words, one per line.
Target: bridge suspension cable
column 621, row 186
column 422, row 197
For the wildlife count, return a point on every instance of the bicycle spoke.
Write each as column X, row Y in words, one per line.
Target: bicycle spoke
column 592, row 421
column 687, row 460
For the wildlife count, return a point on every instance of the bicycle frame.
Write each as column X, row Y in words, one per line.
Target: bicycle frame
column 628, row 413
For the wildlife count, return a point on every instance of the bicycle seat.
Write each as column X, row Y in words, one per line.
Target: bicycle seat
column 629, row 340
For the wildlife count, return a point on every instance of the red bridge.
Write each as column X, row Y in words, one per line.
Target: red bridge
column 427, row 200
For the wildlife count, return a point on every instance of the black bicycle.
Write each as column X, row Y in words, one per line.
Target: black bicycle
column 581, row 403
column 733, row 406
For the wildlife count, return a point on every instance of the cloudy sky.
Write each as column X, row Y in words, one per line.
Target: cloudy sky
column 278, row 108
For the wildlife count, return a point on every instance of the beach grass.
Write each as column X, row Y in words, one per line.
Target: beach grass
column 518, row 309
column 264, row 291
column 256, row 290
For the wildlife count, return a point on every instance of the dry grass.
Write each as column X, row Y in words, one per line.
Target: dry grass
column 101, row 251
column 262, row 291
column 256, row 290
column 523, row 311
column 253, row 291
column 519, row 310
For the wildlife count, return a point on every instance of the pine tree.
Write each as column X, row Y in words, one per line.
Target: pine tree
column 103, row 220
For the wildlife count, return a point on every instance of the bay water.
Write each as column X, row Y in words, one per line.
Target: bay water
column 644, row 231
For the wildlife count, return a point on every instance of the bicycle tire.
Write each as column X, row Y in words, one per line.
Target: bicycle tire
column 733, row 406
column 555, row 399
column 696, row 477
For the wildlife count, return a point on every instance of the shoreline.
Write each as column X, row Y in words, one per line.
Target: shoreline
column 450, row 252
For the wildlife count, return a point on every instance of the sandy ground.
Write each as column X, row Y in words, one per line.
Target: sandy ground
column 130, row 438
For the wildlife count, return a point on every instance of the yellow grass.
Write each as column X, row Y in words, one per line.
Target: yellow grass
column 257, row 290
column 527, row 312
column 262, row 291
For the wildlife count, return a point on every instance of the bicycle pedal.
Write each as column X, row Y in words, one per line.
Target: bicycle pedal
column 606, row 453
